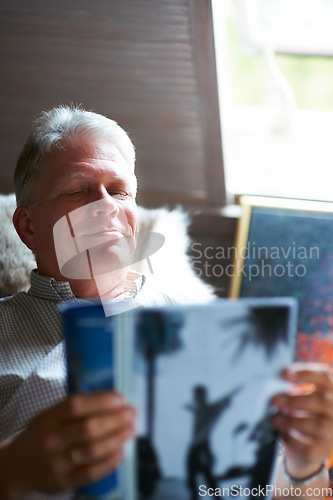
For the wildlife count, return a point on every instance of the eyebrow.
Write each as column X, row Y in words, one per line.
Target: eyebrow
column 63, row 183
column 62, row 186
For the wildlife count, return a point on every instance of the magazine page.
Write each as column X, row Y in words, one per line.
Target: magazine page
column 203, row 377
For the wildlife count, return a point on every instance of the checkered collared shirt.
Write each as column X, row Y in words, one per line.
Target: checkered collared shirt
column 32, row 357
column 32, row 367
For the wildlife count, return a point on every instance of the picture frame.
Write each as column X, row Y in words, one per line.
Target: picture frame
column 284, row 247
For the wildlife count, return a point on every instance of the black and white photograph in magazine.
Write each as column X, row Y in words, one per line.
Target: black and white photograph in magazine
column 204, row 376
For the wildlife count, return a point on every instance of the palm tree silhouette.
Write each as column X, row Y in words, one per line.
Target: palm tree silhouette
column 158, row 332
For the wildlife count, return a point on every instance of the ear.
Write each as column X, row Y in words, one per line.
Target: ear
column 24, row 228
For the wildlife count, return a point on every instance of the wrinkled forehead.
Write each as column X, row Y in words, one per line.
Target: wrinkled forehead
column 89, row 149
column 87, row 158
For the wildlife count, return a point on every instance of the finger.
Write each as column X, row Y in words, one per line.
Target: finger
column 90, row 429
column 81, row 405
column 307, row 429
column 84, row 405
column 96, row 451
column 318, row 402
column 310, row 373
column 95, row 471
column 303, row 445
column 63, row 460
column 70, row 475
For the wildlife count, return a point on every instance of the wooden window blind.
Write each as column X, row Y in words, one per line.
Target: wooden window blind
column 148, row 64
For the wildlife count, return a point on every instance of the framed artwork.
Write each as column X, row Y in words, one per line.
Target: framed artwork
column 284, row 247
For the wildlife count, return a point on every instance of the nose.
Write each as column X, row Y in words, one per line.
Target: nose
column 106, row 205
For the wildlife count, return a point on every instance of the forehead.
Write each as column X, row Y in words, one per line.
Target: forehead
column 85, row 157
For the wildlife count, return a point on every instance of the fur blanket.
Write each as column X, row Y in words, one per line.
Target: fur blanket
column 16, row 260
column 171, row 266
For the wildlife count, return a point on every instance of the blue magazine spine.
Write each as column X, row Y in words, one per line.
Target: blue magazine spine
column 90, row 353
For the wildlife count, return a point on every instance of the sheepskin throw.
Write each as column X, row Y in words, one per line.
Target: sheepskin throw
column 169, row 267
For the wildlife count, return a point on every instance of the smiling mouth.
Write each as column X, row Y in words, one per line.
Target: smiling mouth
column 102, row 233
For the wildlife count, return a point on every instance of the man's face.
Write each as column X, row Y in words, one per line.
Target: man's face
column 88, row 185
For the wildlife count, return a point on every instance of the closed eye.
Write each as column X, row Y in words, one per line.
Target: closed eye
column 78, row 191
column 120, row 196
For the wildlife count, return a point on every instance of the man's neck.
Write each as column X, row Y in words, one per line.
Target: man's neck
column 112, row 284
column 109, row 285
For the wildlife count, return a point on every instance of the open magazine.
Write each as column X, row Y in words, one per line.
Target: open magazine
column 201, row 378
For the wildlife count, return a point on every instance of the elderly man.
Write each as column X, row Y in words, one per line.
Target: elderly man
column 78, row 167
column 72, row 158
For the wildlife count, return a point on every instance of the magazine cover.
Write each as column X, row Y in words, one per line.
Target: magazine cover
column 202, row 380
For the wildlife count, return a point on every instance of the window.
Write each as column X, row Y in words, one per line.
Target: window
column 275, row 71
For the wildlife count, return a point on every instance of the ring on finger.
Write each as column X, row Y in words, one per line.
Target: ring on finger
column 75, row 457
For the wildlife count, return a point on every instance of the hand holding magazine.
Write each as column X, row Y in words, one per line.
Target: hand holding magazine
column 201, row 378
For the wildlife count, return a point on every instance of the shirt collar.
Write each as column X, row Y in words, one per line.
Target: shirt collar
column 43, row 287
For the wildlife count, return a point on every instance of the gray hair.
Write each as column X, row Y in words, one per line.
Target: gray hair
column 49, row 129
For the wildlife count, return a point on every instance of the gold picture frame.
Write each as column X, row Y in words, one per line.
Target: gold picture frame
column 279, row 237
